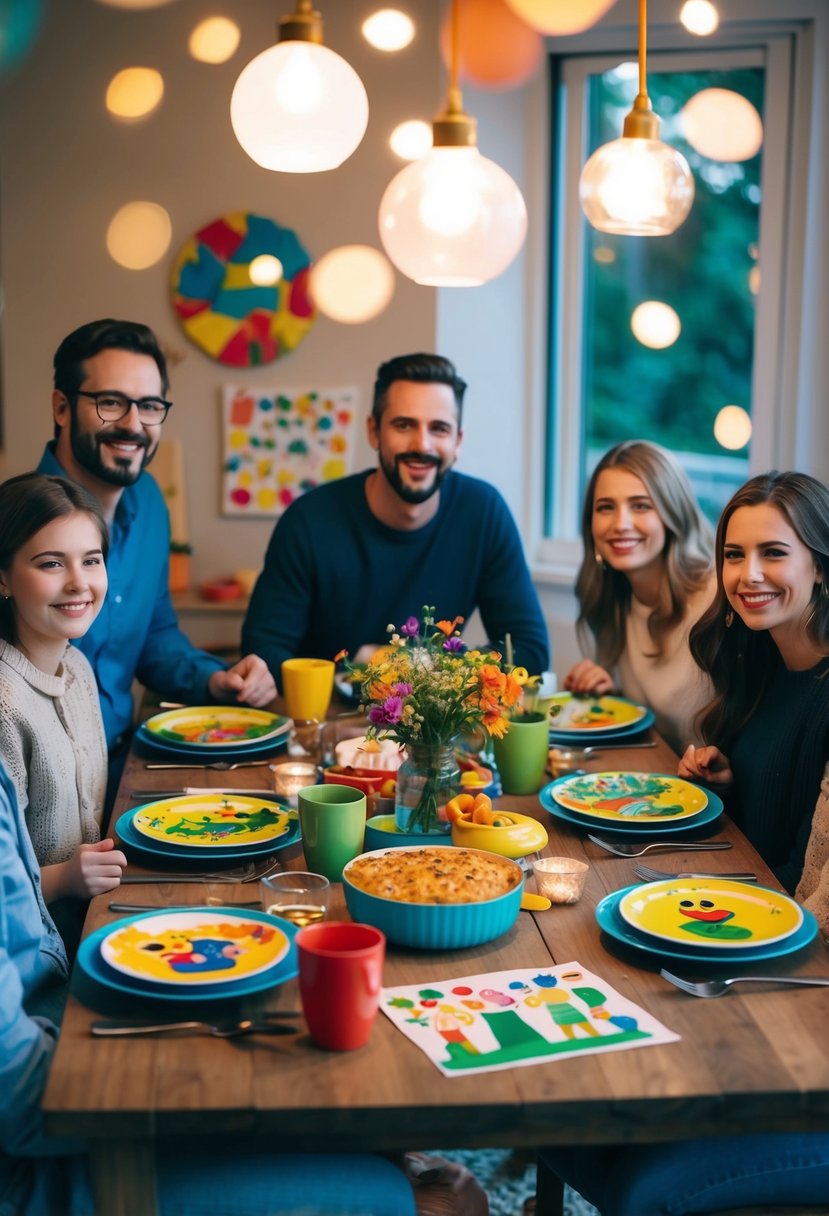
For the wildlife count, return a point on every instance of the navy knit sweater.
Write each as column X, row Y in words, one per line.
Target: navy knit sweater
column 335, row 576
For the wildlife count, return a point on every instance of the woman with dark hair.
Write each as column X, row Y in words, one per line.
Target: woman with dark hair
column 53, row 544
column 764, row 641
column 644, row 580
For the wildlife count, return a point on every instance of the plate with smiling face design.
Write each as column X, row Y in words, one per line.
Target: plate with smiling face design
column 715, row 912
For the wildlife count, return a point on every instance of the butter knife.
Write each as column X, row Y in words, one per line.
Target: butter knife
column 224, row 903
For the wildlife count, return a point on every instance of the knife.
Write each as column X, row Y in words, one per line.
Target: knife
column 196, row 789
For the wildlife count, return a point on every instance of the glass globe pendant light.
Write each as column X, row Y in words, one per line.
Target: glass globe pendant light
column 453, row 218
column 299, row 107
column 637, row 185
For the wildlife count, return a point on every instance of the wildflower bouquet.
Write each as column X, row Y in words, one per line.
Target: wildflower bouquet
column 425, row 687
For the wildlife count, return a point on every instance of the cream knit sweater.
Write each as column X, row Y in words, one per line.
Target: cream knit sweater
column 672, row 685
column 813, row 888
column 52, row 743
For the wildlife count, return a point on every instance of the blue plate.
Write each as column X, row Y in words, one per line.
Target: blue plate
column 586, row 738
column 611, row 922
column 602, row 827
column 137, row 842
column 149, row 743
column 91, row 962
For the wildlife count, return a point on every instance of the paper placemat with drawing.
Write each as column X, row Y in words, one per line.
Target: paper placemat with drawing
column 505, row 1019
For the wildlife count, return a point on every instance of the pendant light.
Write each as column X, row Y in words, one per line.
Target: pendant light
column 453, row 218
column 637, row 185
column 299, row 107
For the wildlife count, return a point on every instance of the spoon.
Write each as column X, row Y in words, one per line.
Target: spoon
column 231, row 1028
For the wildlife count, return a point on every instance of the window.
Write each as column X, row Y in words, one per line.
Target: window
column 667, row 371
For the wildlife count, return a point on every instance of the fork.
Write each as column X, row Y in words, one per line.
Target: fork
column 222, row 765
column 709, row 988
column 635, row 850
column 226, row 1028
column 241, row 874
column 650, row 875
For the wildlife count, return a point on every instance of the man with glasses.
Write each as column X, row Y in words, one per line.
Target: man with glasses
column 109, row 401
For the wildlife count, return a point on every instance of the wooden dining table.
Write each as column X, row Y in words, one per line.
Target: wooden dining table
column 757, row 1060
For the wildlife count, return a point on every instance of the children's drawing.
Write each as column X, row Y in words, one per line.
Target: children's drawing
column 507, row 1019
column 280, row 443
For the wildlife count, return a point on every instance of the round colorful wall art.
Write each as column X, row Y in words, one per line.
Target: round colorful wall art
column 239, row 287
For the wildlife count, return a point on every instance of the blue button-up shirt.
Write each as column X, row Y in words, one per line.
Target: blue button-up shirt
column 136, row 633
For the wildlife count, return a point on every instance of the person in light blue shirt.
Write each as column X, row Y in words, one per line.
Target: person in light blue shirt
column 42, row 1175
column 109, row 401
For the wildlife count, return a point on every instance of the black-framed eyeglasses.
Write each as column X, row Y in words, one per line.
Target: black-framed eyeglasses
column 111, row 406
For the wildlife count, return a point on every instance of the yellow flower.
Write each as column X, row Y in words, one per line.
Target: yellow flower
column 496, row 725
column 520, row 675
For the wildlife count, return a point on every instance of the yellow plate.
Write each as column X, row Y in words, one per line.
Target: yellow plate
column 585, row 714
column 198, row 947
column 712, row 912
column 631, row 797
column 215, row 726
column 212, row 821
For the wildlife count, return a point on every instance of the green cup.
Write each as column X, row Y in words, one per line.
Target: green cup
column 521, row 755
column 332, row 819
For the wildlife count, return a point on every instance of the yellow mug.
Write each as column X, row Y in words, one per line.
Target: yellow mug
column 307, row 685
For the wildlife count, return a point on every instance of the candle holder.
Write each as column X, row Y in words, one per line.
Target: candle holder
column 561, row 879
column 291, row 776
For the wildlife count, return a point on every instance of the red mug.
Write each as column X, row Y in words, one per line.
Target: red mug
column 340, row 974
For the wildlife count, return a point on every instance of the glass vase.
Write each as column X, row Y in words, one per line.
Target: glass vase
column 426, row 780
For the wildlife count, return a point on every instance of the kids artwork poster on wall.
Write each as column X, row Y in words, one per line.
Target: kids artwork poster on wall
column 279, row 444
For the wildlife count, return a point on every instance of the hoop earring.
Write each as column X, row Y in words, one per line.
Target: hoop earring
column 729, row 618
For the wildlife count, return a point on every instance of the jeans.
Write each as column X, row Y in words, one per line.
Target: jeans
column 698, row 1176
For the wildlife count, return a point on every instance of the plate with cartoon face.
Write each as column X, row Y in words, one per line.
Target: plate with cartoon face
column 572, row 715
column 718, row 913
column 196, row 947
column 631, row 799
column 215, row 727
column 212, row 821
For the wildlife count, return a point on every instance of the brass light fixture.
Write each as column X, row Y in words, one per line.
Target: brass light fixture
column 637, row 185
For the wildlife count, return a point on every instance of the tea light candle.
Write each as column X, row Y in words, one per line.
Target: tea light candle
column 292, row 776
column 561, row 879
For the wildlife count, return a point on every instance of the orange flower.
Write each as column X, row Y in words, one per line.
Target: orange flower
column 512, row 691
column 496, row 725
column 449, row 627
column 492, row 678
column 341, row 654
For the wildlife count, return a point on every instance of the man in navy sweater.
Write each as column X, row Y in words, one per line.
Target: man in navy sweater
column 356, row 555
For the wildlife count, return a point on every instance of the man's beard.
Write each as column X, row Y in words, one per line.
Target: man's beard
column 408, row 493
column 86, row 448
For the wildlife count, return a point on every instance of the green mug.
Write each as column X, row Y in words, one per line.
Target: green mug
column 521, row 755
column 332, row 819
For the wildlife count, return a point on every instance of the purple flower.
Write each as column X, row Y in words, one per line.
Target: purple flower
column 454, row 645
column 411, row 627
column 387, row 714
column 402, row 690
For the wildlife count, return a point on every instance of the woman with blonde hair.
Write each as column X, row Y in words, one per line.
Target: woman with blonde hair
column 645, row 578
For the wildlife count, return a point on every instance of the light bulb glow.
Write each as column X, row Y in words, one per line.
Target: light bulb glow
column 265, row 270
column 560, row 16
column 139, row 235
column 214, row 40
column 352, row 284
column 636, row 187
column 388, row 30
column 655, row 324
column 477, row 240
column 298, row 107
column 732, row 427
column 722, row 125
column 134, row 93
column 411, row 139
column 699, row 17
